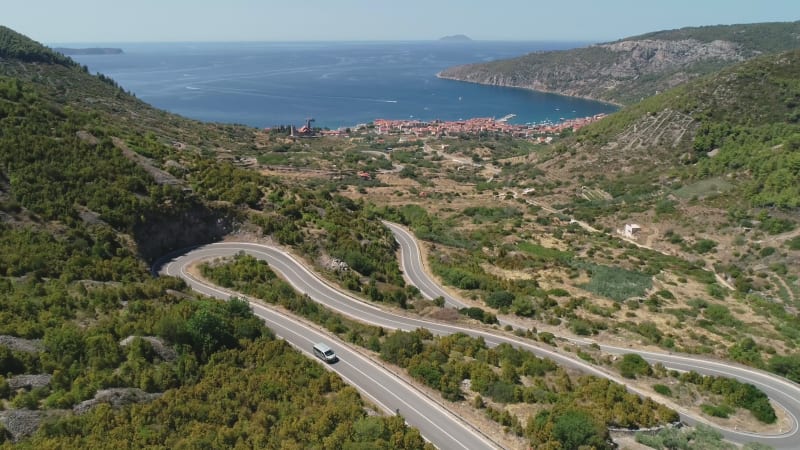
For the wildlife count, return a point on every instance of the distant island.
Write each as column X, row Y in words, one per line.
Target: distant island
column 88, row 51
column 456, row 38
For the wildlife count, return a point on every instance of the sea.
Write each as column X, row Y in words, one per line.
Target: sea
column 338, row 84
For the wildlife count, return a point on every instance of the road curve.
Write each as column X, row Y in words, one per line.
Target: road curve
column 780, row 390
column 385, row 389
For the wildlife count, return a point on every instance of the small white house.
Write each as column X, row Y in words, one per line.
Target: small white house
column 631, row 230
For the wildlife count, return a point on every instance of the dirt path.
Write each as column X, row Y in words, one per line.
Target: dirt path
column 783, row 237
column 788, row 288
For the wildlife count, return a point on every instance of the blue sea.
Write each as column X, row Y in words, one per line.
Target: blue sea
column 338, row 84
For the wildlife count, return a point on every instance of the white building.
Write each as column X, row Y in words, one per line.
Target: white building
column 631, row 230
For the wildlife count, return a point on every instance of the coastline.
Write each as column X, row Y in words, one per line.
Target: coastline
column 527, row 88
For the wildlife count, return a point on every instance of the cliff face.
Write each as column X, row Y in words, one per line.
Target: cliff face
column 626, row 71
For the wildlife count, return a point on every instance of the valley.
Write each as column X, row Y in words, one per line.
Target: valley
column 611, row 278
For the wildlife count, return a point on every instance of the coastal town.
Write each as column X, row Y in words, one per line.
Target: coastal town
column 539, row 132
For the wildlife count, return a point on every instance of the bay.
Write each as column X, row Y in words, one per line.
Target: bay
column 339, row 84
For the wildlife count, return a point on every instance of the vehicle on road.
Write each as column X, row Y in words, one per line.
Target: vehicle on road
column 325, row 353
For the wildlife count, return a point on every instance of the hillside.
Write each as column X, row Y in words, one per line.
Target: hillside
column 709, row 171
column 94, row 351
column 634, row 68
column 741, row 122
column 94, row 184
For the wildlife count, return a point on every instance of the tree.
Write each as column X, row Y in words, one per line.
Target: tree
column 499, row 299
column 209, row 331
column 576, row 428
column 400, row 346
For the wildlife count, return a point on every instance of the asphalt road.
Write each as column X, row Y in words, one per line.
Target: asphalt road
column 382, row 387
column 781, row 391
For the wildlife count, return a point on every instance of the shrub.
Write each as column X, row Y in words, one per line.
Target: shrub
column 502, row 391
column 580, row 327
column 788, row 366
column 499, row 299
column 762, row 410
column 704, row 246
column 632, row 365
column 478, row 314
column 720, row 314
column 547, row 337
column 722, row 411
column 663, row 390
column 766, row 251
column 577, row 429
column 663, row 293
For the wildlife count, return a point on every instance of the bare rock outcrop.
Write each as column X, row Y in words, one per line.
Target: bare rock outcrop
column 116, row 397
column 21, row 345
column 333, row 264
column 20, row 423
column 29, row 381
column 164, row 351
column 619, row 71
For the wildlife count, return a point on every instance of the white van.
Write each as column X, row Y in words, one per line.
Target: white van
column 325, row 353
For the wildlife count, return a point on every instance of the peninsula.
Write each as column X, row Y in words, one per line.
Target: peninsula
column 630, row 69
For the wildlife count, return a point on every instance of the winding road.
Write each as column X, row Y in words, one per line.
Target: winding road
column 441, row 427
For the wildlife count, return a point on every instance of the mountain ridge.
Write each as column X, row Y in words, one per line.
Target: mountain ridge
column 631, row 69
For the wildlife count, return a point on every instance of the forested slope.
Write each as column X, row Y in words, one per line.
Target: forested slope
column 94, row 351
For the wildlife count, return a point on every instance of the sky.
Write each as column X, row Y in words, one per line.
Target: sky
column 99, row 21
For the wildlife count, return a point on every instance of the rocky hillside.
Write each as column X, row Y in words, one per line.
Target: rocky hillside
column 741, row 123
column 633, row 68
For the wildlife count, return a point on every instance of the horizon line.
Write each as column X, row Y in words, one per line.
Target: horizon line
column 316, row 41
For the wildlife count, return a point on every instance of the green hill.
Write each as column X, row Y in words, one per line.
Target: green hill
column 634, row 68
column 746, row 117
column 711, row 170
column 94, row 184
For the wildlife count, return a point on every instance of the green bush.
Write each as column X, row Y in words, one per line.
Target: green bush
column 633, row 364
column 704, row 246
column 581, row 327
column 722, row 411
column 576, row 429
column 663, row 390
column 478, row 314
column 788, row 366
column 502, row 391
column 499, row 299
column 766, row 251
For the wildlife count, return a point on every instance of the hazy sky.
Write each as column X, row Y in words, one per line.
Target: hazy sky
column 64, row 21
